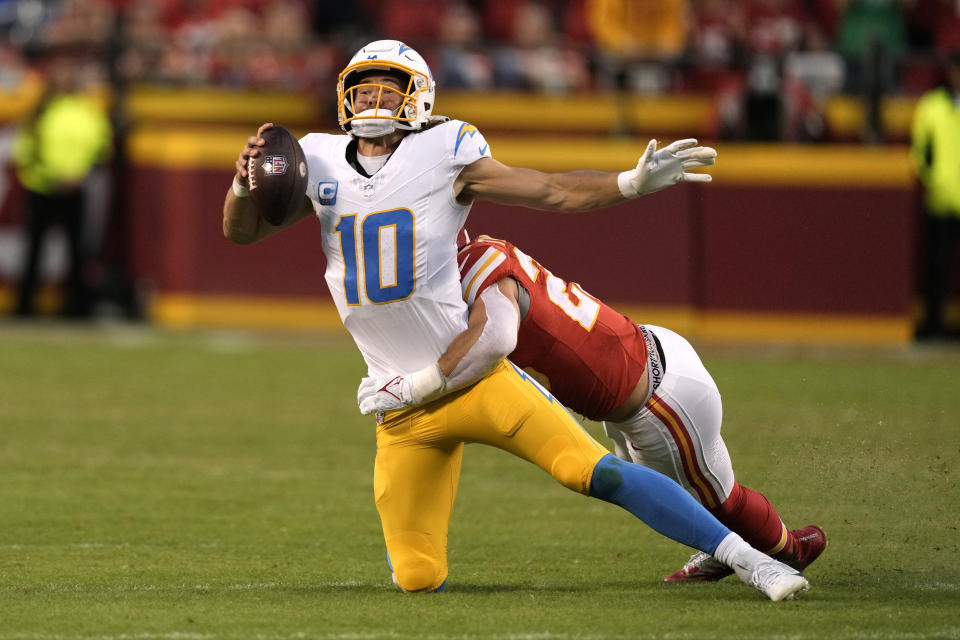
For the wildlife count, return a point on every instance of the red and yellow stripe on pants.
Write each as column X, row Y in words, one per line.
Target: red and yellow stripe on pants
column 692, row 465
column 759, row 524
column 419, row 452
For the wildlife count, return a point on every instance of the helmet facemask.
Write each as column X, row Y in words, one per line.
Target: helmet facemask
column 374, row 121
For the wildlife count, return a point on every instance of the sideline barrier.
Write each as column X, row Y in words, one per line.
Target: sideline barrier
column 585, row 114
column 796, row 243
column 808, row 244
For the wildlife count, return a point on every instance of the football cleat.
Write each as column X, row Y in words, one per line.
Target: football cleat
column 774, row 579
column 702, row 567
column 810, row 543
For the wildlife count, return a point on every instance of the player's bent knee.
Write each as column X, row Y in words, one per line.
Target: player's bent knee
column 607, row 477
column 573, row 472
column 418, row 562
column 419, row 576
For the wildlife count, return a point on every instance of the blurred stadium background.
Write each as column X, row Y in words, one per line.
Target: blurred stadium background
column 810, row 231
column 217, row 484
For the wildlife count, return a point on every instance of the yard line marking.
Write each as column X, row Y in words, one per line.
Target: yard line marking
column 950, row 633
column 68, row 545
column 52, row 587
column 146, row 635
column 938, row 586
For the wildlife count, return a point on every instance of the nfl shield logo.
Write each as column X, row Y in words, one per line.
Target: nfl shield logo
column 275, row 165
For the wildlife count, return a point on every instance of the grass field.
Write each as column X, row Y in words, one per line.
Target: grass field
column 214, row 486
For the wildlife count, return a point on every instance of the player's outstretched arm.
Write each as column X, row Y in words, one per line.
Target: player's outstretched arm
column 584, row 190
column 490, row 336
column 242, row 222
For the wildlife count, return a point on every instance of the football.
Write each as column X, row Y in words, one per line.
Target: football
column 277, row 176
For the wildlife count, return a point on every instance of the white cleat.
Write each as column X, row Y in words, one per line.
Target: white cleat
column 774, row 579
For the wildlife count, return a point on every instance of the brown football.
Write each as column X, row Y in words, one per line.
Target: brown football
column 277, row 176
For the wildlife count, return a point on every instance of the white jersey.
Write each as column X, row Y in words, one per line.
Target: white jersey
column 390, row 242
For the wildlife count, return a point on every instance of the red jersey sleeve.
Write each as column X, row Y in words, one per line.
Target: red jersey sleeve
column 482, row 262
column 592, row 355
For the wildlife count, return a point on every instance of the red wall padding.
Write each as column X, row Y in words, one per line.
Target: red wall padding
column 790, row 249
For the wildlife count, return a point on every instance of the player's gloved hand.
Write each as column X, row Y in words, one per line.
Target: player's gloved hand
column 659, row 169
column 389, row 393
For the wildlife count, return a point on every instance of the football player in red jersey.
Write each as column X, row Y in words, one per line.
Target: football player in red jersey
column 656, row 399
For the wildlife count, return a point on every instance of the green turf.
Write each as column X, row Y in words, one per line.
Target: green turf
column 199, row 486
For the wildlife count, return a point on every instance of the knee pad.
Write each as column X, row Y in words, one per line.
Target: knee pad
column 572, row 472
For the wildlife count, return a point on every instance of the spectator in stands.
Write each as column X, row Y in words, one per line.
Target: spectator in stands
column 872, row 37
column 54, row 151
column 935, row 24
column 145, row 39
column 410, row 21
column 461, row 61
column 716, row 46
column 716, row 62
column 536, row 57
column 749, row 44
column 638, row 46
column 638, row 43
column 775, row 28
column 936, row 157
column 13, row 68
column 78, row 23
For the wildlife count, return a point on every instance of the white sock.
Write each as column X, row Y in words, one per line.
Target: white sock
column 734, row 552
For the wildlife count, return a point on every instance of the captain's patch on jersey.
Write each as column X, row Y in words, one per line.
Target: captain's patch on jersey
column 327, row 193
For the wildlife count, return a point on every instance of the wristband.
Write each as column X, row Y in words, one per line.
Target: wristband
column 426, row 382
column 238, row 189
column 625, row 182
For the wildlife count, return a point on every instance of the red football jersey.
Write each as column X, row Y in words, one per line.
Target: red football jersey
column 592, row 355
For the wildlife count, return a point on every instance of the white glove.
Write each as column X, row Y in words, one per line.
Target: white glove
column 389, row 393
column 659, row 169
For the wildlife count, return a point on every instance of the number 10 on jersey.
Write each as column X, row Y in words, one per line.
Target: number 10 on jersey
column 380, row 255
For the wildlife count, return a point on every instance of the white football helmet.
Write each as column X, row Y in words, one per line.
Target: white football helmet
column 417, row 90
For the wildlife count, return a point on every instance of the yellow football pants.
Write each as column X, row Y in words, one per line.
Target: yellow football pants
column 419, row 452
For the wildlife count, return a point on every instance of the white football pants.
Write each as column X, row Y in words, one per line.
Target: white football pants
column 677, row 432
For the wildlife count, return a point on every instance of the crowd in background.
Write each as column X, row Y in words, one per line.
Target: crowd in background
column 548, row 45
column 768, row 64
column 766, row 61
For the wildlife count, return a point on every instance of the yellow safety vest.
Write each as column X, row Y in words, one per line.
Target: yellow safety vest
column 935, row 150
column 68, row 138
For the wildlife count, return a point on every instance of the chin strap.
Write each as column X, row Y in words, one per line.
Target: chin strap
column 358, row 130
column 374, row 123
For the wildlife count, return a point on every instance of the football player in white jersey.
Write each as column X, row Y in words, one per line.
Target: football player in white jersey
column 391, row 196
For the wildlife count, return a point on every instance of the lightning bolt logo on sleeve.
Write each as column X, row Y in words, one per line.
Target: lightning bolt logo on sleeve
column 466, row 130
